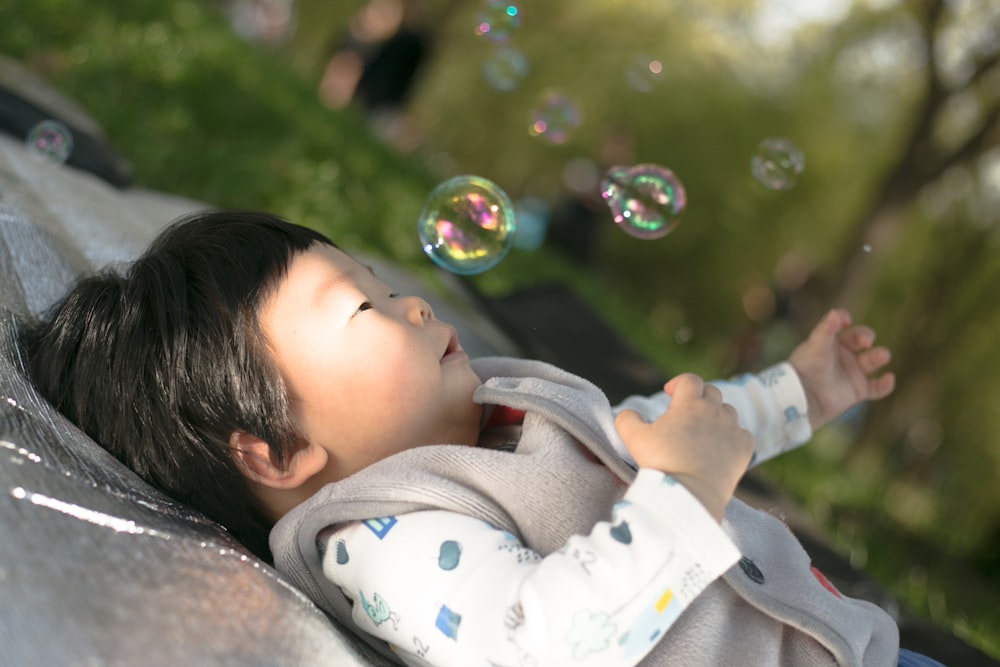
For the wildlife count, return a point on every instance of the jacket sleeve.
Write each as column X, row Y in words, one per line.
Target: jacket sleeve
column 448, row 589
column 770, row 404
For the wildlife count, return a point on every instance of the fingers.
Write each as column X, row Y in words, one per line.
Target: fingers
column 858, row 338
column 626, row 422
column 835, row 320
column 881, row 386
column 713, row 394
column 685, row 385
column 871, row 360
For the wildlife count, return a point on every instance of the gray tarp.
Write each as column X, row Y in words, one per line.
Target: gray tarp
column 96, row 567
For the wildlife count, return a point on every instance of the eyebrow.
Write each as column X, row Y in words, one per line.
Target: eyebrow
column 327, row 285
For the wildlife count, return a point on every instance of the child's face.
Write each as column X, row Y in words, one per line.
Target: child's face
column 369, row 373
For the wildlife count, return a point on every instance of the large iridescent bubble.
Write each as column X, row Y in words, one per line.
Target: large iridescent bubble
column 50, row 140
column 467, row 225
column 645, row 200
column 777, row 163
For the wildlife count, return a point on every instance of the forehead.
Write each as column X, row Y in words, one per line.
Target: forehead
column 317, row 278
column 316, row 272
column 322, row 263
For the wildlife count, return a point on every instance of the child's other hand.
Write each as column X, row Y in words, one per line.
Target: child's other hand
column 698, row 441
column 838, row 367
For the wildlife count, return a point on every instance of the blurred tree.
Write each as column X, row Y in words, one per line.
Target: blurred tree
column 921, row 257
column 954, row 122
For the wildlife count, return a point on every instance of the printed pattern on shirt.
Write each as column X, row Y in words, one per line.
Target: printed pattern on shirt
column 424, row 608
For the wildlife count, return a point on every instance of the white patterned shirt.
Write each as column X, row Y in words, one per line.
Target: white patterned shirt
column 508, row 605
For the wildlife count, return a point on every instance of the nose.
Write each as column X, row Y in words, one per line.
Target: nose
column 418, row 310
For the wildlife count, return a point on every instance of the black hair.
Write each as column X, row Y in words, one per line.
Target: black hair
column 160, row 362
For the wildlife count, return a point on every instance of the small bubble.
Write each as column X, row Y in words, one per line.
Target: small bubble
column 498, row 20
column 555, row 118
column 777, row 163
column 581, row 175
column 467, row 225
column 50, row 140
column 532, row 222
column 643, row 73
column 866, row 247
column 645, row 200
column 267, row 21
column 683, row 335
column 19, row 493
column 505, row 69
column 10, row 401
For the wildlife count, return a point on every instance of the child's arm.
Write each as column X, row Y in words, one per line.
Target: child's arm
column 447, row 589
column 828, row 373
column 771, row 405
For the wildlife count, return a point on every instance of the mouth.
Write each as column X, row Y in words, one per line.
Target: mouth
column 454, row 349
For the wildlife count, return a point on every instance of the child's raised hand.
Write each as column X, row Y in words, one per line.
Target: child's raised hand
column 698, row 441
column 838, row 367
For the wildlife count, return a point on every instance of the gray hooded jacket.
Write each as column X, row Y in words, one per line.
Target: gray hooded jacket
column 564, row 477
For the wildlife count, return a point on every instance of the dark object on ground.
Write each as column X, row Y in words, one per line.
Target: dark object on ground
column 25, row 102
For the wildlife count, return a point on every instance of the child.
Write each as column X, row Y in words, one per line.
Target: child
column 494, row 511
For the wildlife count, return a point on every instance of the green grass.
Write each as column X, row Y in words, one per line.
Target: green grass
column 854, row 509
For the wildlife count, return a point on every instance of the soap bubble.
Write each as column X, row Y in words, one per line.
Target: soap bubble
column 643, row 73
column 533, row 215
column 505, row 69
column 555, row 118
column 497, row 20
column 51, row 140
column 467, row 225
column 777, row 163
column 267, row 21
column 645, row 200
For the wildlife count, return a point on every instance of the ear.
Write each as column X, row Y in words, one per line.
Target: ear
column 257, row 461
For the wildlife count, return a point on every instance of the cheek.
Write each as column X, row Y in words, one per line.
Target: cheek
column 393, row 363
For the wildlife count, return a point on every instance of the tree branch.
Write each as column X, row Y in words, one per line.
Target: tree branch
column 982, row 67
column 975, row 144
